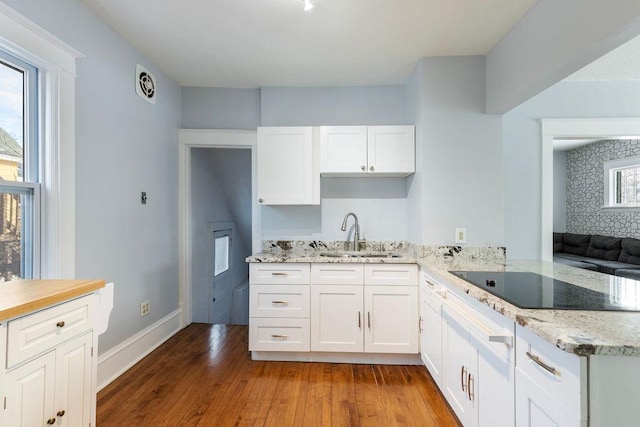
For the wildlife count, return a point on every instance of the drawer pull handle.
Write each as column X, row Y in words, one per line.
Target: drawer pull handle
column 505, row 339
column 359, row 320
column 279, row 274
column 280, row 302
column 369, row 319
column 61, row 413
column 51, row 421
column 430, row 283
column 60, row 324
column 543, row 365
column 279, row 337
column 420, row 324
column 470, row 388
column 463, row 375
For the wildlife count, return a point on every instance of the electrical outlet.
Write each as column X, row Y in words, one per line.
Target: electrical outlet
column 461, row 235
column 144, row 308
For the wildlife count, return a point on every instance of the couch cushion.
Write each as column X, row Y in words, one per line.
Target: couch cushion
column 604, row 247
column 558, row 246
column 628, row 273
column 630, row 251
column 574, row 263
column 576, row 244
column 572, row 257
column 608, row 267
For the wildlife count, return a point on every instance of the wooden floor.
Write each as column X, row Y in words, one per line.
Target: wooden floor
column 204, row 376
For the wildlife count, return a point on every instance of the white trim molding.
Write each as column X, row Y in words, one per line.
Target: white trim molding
column 56, row 63
column 207, row 138
column 119, row 359
column 601, row 128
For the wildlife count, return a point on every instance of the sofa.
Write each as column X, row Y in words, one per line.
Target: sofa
column 611, row 255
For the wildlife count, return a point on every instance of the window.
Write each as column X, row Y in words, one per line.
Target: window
column 222, row 244
column 19, row 188
column 622, row 183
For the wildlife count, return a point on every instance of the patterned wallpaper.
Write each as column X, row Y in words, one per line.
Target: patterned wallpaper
column 585, row 190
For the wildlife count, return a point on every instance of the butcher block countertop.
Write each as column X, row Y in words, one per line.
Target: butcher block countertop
column 19, row 297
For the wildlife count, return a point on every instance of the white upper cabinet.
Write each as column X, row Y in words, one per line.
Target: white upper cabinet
column 367, row 150
column 287, row 166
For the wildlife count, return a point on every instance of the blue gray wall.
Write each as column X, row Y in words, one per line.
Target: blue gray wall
column 123, row 146
column 220, row 108
column 522, row 149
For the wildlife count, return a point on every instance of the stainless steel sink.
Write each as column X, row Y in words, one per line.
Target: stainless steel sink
column 364, row 254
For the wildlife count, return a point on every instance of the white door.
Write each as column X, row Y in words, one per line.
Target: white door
column 391, row 149
column 391, row 319
column 31, row 388
column 343, row 149
column 73, row 382
column 337, row 318
column 220, row 291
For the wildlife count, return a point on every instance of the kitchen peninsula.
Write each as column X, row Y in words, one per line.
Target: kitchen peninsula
column 568, row 367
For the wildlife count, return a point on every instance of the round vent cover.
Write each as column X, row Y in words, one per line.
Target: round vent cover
column 145, row 84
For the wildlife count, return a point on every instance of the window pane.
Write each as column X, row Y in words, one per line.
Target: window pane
column 16, row 230
column 12, row 107
column 221, row 255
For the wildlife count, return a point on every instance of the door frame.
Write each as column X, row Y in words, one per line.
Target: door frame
column 207, row 138
column 572, row 128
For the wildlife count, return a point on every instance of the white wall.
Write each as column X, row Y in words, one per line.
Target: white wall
column 522, row 150
column 459, row 150
column 553, row 40
column 559, row 191
column 123, row 146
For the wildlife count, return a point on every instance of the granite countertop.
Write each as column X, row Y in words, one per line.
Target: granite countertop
column 582, row 332
column 314, row 256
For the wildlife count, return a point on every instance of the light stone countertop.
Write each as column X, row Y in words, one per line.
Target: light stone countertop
column 611, row 333
column 583, row 332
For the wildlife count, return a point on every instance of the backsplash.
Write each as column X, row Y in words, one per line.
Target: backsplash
column 497, row 254
column 585, row 190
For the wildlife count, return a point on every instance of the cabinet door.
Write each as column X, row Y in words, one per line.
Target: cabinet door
column 30, row 392
column 534, row 407
column 391, row 319
column 287, row 170
column 457, row 368
column 495, row 390
column 73, row 382
column 391, row 149
column 337, row 318
column 343, row 149
column 431, row 335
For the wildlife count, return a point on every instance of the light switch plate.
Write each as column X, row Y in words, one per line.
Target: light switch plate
column 461, row 235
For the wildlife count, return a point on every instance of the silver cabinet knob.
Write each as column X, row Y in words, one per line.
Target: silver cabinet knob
column 363, row 167
column 260, row 200
column 371, row 168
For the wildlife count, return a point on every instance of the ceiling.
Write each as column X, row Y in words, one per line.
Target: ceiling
column 262, row 43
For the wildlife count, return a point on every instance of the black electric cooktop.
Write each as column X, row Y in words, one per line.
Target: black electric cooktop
column 531, row 290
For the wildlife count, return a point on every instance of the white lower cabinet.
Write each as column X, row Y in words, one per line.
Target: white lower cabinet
column 55, row 384
column 350, row 314
column 469, row 352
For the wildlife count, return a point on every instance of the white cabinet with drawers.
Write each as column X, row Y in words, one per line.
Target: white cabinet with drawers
column 50, row 366
column 326, row 311
column 279, row 307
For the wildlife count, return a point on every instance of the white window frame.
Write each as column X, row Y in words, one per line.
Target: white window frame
column 610, row 168
column 56, row 63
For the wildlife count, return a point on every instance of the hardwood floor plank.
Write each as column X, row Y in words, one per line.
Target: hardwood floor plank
column 204, row 376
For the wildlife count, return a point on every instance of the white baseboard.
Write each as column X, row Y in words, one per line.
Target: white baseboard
column 116, row 361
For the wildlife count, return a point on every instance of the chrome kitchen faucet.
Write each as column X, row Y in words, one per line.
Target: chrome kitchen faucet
column 356, row 231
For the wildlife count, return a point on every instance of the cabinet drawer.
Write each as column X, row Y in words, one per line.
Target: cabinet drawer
column 285, row 334
column 279, row 301
column 390, row 274
column 555, row 371
column 38, row 332
column 278, row 273
column 337, row 274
